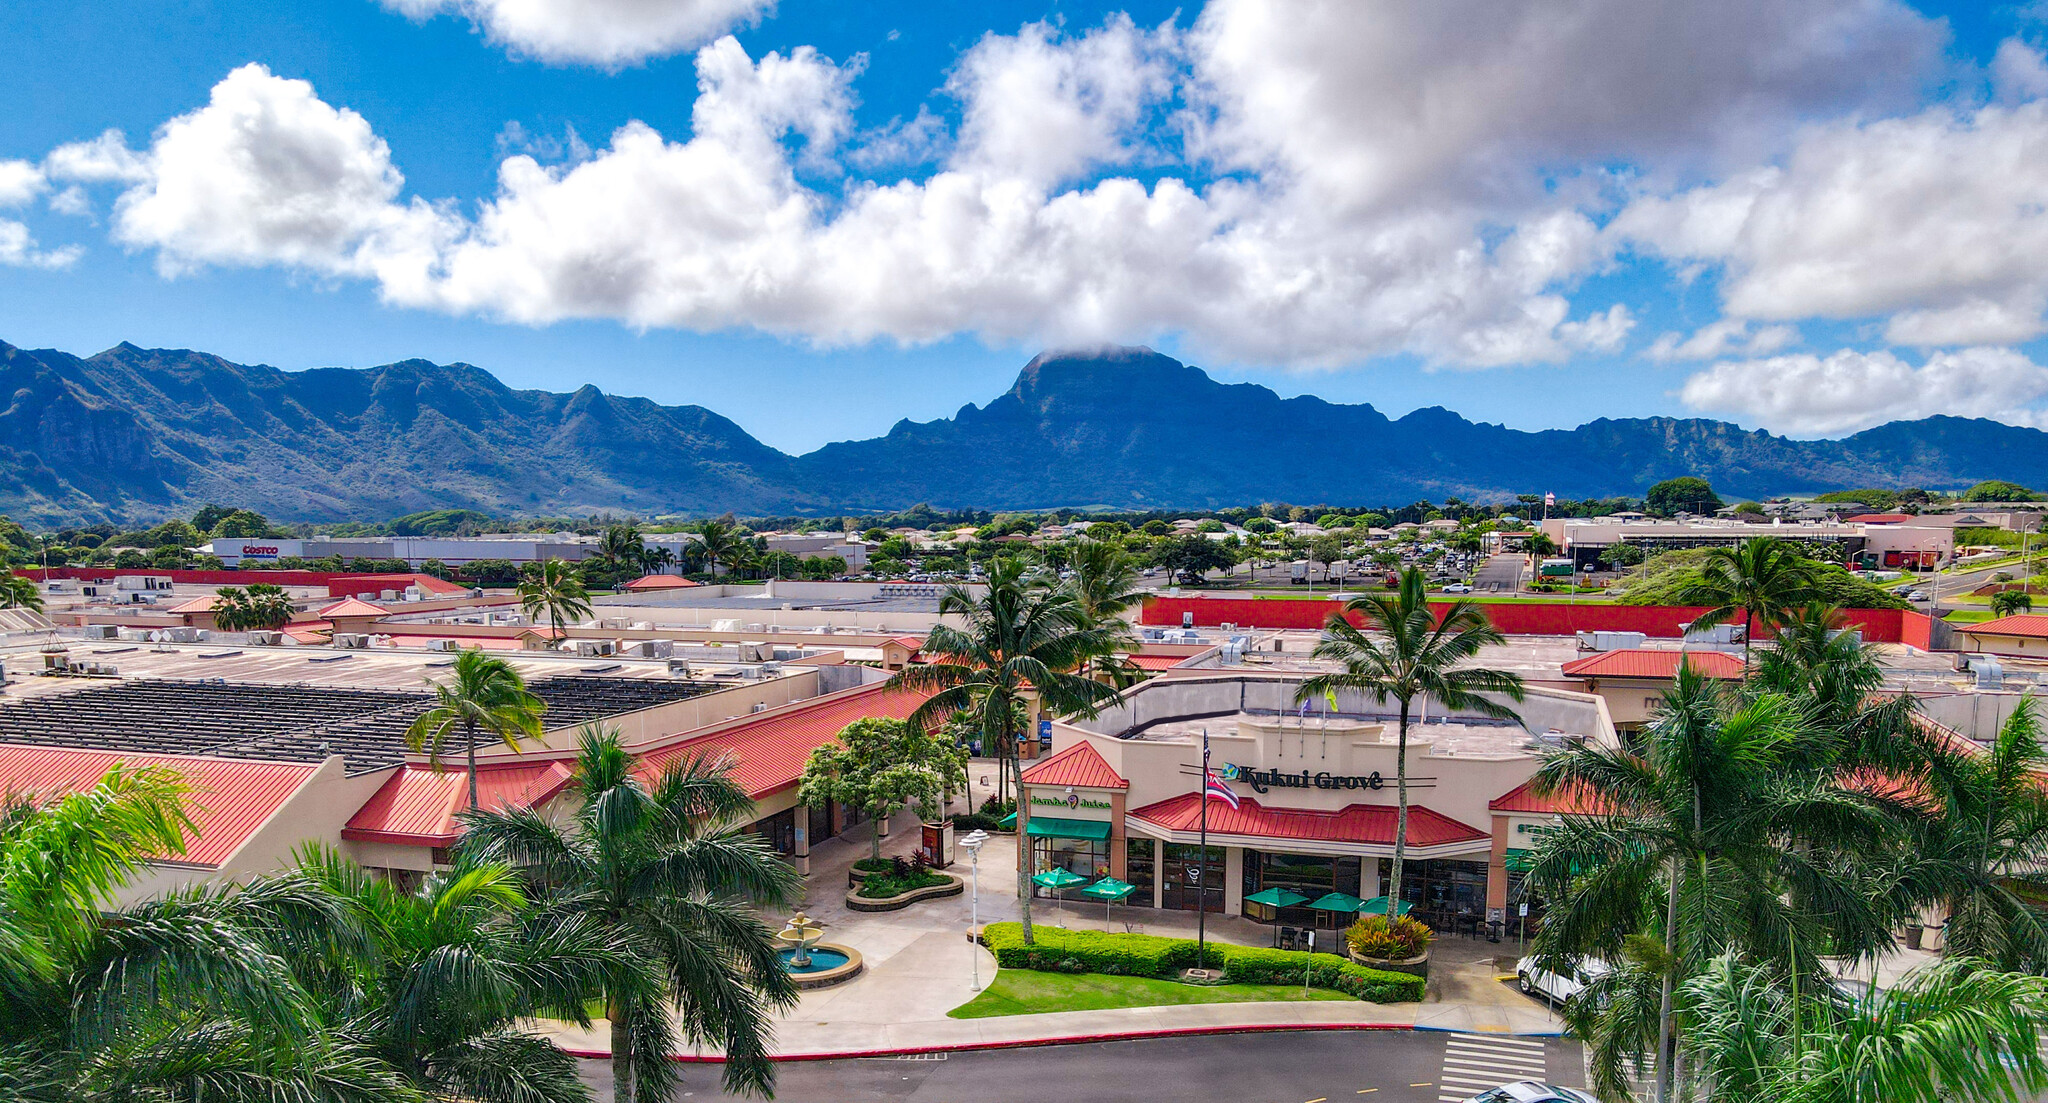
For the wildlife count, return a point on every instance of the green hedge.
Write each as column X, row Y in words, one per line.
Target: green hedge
column 1057, row 950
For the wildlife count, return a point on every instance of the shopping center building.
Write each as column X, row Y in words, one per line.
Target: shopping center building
column 1120, row 796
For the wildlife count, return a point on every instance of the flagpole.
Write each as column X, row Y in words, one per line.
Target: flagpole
column 1202, row 866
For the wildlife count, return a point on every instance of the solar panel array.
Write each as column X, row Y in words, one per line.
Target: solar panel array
column 288, row 723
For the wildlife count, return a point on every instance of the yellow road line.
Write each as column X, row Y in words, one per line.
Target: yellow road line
column 1424, row 1084
column 1320, row 1099
column 1365, row 1091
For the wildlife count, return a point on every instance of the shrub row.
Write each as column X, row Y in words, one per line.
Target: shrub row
column 881, row 886
column 1136, row 955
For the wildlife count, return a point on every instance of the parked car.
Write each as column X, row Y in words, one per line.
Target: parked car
column 1532, row 1091
column 1917, row 595
column 1457, row 588
column 1537, row 981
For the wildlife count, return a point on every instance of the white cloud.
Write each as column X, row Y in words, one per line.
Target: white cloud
column 2018, row 72
column 1935, row 218
column 18, row 249
column 72, row 201
column 1808, row 395
column 1727, row 337
column 608, row 33
column 106, row 158
column 268, row 173
column 20, row 181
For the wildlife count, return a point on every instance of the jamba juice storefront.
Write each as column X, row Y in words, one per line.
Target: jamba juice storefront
column 1072, row 817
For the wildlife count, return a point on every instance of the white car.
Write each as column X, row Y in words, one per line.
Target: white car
column 1555, row 987
column 1457, row 588
column 1917, row 595
column 1532, row 1091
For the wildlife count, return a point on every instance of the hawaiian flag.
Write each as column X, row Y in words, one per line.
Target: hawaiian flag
column 1212, row 786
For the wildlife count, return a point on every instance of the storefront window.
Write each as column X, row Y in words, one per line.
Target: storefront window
column 779, row 830
column 1138, row 870
column 1190, row 877
column 1311, row 875
column 1086, row 857
column 820, row 825
column 1443, row 889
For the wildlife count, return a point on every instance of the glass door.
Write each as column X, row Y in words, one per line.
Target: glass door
column 1192, row 878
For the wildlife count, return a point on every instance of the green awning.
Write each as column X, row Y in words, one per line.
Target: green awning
column 1008, row 823
column 1052, row 827
column 1337, row 902
column 1057, row 878
column 1378, row 906
column 1109, row 888
column 1518, row 860
column 1276, row 898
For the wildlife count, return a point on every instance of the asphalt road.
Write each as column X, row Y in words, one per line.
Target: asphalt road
column 1500, row 572
column 1298, row 1067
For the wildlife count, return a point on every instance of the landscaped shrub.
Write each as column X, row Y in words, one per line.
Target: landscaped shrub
column 1057, row 950
column 875, row 865
column 1373, row 936
column 881, row 886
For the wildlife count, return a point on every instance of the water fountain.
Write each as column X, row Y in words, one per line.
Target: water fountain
column 810, row 961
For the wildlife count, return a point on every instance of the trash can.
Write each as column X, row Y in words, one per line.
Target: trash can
column 1913, row 932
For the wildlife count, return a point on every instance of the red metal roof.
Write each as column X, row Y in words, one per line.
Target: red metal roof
column 230, row 798
column 2034, row 625
column 911, row 642
column 1354, row 823
column 352, row 607
column 1878, row 519
column 1155, row 662
column 201, row 604
column 1524, row 799
column 660, row 582
column 1650, row 663
column 1080, row 764
column 417, row 806
column 768, row 751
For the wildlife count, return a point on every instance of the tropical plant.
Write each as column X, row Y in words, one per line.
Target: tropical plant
column 1732, row 828
column 1106, row 585
column 1949, row 1032
column 1760, row 580
column 1980, row 847
column 188, row 997
column 17, row 592
column 452, row 966
column 260, row 606
column 552, row 590
column 716, row 543
column 2006, row 603
column 1396, row 940
column 622, row 548
column 1403, row 651
column 1537, row 546
column 1024, row 637
column 881, row 765
column 483, row 695
column 661, row 870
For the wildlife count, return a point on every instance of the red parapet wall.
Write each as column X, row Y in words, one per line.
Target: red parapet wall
column 1516, row 619
column 338, row 583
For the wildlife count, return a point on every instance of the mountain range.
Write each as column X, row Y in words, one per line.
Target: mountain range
column 134, row 434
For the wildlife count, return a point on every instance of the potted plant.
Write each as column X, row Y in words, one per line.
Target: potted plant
column 1399, row 946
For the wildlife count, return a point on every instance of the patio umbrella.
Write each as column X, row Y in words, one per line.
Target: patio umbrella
column 1276, row 898
column 1109, row 890
column 1057, row 879
column 1008, row 823
column 1378, row 906
column 1339, row 902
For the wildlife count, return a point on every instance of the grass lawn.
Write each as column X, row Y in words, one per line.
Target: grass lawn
column 1970, row 616
column 1025, row 992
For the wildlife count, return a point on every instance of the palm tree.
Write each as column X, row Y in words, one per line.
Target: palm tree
column 555, row 591
column 453, row 965
column 1979, row 849
column 659, row 871
column 622, row 547
column 190, row 996
column 17, row 592
column 485, row 695
column 1725, row 832
column 1022, row 631
column 660, row 557
column 2006, row 603
column 1949, row 1031
column 1406, row 653
column 1105, row 584
column 715, row 544
column 1536, row 545
column 1760, row 580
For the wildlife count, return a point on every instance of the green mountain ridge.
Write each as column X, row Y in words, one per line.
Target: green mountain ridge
column 135, row 434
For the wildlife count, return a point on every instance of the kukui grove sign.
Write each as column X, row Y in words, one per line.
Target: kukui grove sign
column 1262, row 780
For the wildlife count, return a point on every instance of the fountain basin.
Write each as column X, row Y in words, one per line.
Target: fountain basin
column 830, row 964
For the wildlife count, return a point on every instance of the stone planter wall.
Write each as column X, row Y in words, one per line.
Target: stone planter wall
column 1417, row 966
column 954, row 886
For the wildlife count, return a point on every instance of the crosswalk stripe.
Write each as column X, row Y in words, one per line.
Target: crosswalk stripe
column 1475, row 1063
column 1495, row 1041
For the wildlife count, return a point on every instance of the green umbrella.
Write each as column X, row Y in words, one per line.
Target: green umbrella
column 1378, row 906
column 1276, row 898
column 1336, row 902
column 1057, row 879
column 1008, row 823
column 1109, row 890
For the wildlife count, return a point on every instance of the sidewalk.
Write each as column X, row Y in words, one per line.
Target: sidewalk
column 920, row 964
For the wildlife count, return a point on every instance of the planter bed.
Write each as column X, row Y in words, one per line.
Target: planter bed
column 954, row 886
column 1057, row 950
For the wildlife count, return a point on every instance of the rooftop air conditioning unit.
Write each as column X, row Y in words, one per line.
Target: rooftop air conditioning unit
column 266, row 639
column 101, row 632
column 588, row 649
column 441, row 645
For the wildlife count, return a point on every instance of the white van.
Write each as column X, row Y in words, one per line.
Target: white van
column 1555, row 987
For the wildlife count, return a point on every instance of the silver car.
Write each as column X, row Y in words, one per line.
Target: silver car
column 1532, row 1091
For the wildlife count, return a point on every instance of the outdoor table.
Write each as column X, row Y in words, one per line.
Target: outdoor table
column 1057, row 879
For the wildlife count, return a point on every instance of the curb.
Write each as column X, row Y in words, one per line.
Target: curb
column 1491, row 1033
column 1032, row 1043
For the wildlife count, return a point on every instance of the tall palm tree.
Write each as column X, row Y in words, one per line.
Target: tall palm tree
column 1106, row 585
column 485, row 694
column 1980, row 847
column 1404, row 652
column 1022, row 632
column 553, row 590
column 716, row 543
column 1950, row 1031
column 659, row 869
column 1725, row 832
column 186, row 997
column 2006, row 603
column 622, row 547
column 1760, row 580
column 452, row 967
column 17, row 592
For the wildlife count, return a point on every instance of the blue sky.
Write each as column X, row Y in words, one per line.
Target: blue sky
column 1805, row 216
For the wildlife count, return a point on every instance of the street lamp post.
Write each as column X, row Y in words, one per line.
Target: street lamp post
column 973, row 843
